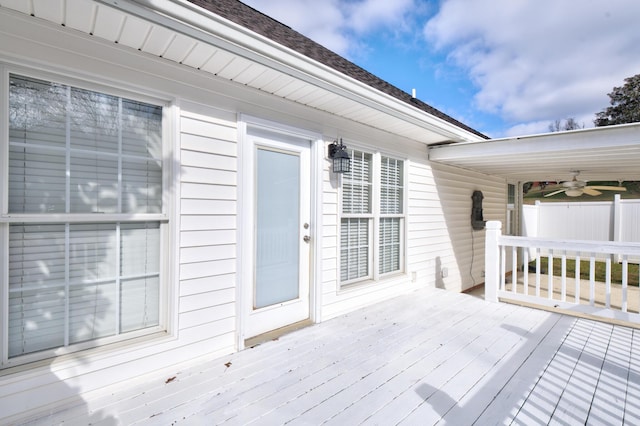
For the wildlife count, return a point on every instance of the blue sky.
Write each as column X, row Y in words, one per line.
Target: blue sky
column 503, row 67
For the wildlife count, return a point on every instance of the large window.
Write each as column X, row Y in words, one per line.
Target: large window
column 372, row 217
column 83, row 220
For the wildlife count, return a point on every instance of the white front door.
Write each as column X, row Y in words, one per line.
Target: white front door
column 281, row 206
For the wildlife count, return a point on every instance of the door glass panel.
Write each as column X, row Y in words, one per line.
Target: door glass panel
column 277, row 227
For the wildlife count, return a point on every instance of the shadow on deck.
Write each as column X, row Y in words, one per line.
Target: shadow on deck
column 428, row 357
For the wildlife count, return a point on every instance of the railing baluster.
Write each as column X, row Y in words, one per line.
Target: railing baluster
column 563, row 278
column 592, row 279
column 537, row 272
column 550, row 275
column 578, row 285
column 607, row 282
column 492, row 261
column 525, row 271
column 514, row 269
column 625, row 280
column 503, row 261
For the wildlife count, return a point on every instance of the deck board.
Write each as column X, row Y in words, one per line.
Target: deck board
column 608, row 402
column 405, row 388
column 425, row 358
column 579, row 391
column 632, row 395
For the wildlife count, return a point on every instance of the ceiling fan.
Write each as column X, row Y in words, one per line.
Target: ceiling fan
column 575, row 187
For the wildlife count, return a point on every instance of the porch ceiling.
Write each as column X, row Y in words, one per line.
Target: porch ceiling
column 600, row 154
column 190, row 36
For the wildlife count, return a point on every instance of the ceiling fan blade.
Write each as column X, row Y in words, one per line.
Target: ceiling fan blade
column 608, row 188
column 540, row 191
column 590, row 191
column 554, row 192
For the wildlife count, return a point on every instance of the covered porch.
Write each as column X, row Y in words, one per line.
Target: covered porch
column 428, row 357
column 597, row 154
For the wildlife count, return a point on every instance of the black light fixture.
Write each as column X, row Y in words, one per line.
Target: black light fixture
column 341, row 160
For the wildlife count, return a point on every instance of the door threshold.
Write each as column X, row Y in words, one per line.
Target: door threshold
column 276, row 334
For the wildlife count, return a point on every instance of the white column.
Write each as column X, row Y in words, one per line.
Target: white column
column 492, row 260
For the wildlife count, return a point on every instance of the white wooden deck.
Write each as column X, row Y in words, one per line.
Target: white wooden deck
column 428, row 357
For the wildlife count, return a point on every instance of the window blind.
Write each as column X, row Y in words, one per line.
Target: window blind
column 354, row 252
column 389, row 246
column 391, row 205
column 357, row 184
column 77, row 151
column 139, row 275
column 36, row 287
column 357, row 195
column 391, row 186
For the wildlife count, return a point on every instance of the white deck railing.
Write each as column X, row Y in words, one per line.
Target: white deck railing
column 506, row 255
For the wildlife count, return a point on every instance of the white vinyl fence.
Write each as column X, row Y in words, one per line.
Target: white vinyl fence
column 617, row 220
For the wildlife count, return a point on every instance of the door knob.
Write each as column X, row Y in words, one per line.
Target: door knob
column 306, row 238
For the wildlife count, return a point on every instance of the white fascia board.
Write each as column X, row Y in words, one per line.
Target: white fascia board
column 193, row 21
column 624, row 135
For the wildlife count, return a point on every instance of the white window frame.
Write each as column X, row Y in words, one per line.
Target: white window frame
column 374, row 217
column 165, row 218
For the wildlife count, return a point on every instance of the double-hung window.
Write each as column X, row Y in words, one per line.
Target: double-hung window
column 84, row 220
column 372, row 217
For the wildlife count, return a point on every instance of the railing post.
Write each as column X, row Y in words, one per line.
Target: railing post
column 617, row 224
column 492, row 260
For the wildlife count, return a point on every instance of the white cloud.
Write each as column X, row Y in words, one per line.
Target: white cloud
column 537, row 61
column 367, row 15
column 323, row 24
column 542, row 126
column 338, row 24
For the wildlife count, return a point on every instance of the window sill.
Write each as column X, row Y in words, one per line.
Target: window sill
column 385, row 280
column 55, row 363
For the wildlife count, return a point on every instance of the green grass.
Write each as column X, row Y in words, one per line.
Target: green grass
column 616, row 270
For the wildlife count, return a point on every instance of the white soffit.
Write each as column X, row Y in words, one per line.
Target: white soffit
column 608, row 153
column 179, row 31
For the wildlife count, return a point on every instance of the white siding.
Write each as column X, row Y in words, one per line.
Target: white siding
column 208, row 205
column 441, row 239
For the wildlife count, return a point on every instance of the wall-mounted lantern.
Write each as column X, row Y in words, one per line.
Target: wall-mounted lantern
column 339, row 157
